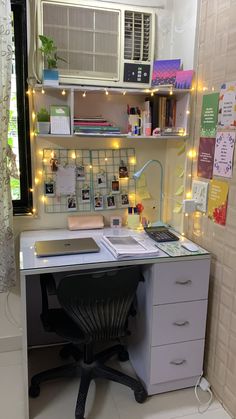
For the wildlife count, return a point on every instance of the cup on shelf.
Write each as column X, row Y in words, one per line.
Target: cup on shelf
column 148, row 129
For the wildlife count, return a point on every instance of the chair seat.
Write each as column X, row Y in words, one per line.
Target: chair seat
column 56, row 320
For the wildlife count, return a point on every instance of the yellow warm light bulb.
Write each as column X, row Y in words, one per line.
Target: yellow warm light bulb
column 63, row 92
column 43, row 199
column 189, row 195
column 84, row 94
column 45, row 160
column 43, row 91
column 28, row 92
column 33, row 91
column 33, row 116
column 36, row 181
column 212, row 88
column 31, row 190
column 124, row 93
column 171, row 92
column 40, row 152
column 90, row 166
column 40, row 172
column 132, row 160
column 73, row 156
column 188, row 112
column 34, row 210
column 116, row 145
column 182, row 234
column 189, row 175
column 106, row 158
column 106, row 92
column 186, row 214
column 192, row 153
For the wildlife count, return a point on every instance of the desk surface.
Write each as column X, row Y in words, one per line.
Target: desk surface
column 29, row 262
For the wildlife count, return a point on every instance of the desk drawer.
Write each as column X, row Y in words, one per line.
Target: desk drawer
column 174, row 362
column 179, row 322
column 181, row 281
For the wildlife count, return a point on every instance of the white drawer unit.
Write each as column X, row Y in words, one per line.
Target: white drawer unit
column 168, row 349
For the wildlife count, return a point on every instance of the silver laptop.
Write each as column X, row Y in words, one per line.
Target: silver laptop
column 66, row 247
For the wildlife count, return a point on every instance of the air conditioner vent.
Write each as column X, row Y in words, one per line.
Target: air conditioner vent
column 137, row 36
column 87, row 39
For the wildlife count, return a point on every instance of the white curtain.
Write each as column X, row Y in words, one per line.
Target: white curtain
column 7, row 253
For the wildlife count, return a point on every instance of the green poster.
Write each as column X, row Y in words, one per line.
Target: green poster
column 209, row 115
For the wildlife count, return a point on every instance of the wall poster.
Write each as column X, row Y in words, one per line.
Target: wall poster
column 224, row 153
column 217, row 201
column 206, row 157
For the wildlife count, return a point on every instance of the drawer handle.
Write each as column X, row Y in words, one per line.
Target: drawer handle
column 186, row 282
column 178, row 362
column 179, row 323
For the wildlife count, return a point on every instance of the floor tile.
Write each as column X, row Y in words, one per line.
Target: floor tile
column 11, row 392
column 209, row 414
column 106, row 400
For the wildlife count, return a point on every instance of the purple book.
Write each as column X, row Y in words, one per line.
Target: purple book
column 164, row 72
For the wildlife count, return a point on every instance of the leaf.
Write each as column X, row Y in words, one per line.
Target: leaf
column 177, row 209
column 179, row 171
column 181, row 150
column 180, row 190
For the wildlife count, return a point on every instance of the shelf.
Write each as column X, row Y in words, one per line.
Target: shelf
column 96, row 89
column 125, row 136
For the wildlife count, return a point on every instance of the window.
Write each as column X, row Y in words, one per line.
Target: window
column 19, row 133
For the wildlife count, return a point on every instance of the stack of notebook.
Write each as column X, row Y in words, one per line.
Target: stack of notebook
column 94, row 125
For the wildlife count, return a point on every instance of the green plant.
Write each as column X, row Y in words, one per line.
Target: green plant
column 49, row 51
column 43, row 115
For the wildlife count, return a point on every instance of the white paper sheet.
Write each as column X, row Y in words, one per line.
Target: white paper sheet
column 65, row 180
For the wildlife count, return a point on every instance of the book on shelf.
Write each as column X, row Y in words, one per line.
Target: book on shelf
column 123, row 247
column 163, row 112
column 94, row 125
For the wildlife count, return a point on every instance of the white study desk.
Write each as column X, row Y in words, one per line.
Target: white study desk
column 168, row 333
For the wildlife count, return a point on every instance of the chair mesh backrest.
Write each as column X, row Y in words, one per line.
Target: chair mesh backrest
column 99, row 302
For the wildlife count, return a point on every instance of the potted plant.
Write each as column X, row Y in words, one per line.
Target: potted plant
column 43, row 121
column 49, row 51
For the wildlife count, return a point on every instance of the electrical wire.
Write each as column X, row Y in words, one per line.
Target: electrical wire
column 8, row 313
column 207, row 404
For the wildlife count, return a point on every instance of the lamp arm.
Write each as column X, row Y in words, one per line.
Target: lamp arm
column 138, row 174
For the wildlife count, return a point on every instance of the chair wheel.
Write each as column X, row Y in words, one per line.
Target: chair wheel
column 123, row 355
column 140, row 396
column 34, row 391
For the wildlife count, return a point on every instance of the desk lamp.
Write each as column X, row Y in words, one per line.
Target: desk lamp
column 137, row 176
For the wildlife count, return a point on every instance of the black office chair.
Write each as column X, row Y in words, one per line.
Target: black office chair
column 95, row 308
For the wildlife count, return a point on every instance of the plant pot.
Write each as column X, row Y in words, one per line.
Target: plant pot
column 43, row 127
column 51, row 77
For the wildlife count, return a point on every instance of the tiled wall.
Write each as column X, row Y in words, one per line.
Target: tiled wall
column 216, row 63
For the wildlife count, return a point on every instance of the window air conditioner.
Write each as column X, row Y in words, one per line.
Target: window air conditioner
column 102, row 46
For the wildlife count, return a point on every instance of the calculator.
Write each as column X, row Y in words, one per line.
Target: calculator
column 160, row 234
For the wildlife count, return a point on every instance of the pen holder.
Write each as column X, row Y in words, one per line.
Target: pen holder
column 133, row 221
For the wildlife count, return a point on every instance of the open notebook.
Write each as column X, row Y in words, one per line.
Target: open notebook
column 66, row 247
